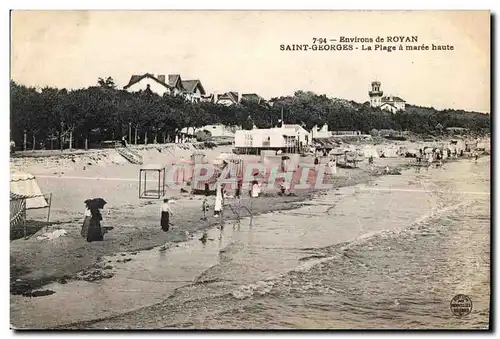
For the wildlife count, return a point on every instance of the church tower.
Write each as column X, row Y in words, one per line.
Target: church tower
column 375, row 94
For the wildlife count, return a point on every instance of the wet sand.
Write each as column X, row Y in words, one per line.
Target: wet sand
column 37, row 263
column 201, row 285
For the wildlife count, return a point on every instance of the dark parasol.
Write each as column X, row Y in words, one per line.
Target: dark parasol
column 97, row 203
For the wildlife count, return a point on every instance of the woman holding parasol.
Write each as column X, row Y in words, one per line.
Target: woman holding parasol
column 94, row 232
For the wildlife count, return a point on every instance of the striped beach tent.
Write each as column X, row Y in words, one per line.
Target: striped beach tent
column 25, row 184
column 25, row 194
column 17, row 210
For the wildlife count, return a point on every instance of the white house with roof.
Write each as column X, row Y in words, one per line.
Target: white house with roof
column 149, row 82
column 192, row 90
column 227, row 99
column 389, row 103
column 303, row 135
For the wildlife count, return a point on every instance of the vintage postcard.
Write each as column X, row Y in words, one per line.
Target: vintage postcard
column 250, row 170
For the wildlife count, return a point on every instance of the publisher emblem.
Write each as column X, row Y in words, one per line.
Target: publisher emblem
column 461, row 305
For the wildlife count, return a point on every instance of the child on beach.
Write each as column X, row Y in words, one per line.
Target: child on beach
column 204, row 207
column 166, row 212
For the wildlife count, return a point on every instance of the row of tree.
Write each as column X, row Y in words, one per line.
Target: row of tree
column 53, row 118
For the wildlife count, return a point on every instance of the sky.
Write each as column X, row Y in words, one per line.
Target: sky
column 240, row 51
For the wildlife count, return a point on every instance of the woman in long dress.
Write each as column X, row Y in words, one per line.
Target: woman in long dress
column 166, row 212
column 218, row 200
column 86, row 221
column 94, row 232
column 333, row 166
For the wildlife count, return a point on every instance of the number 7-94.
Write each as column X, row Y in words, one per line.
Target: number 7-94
column 319, row 40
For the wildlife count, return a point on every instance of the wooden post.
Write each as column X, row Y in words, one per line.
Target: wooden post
column 136, row 131
column 34, row 143
column 24, row 222
column 51, row 143
column 140, row 178
column 24, row 141
column 50, row 204
column 146, row 138
column 86, row 143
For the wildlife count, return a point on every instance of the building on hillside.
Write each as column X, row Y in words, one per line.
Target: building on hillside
column 388, row 107
column 208, row 98
column 149, row 82
column 227, row 99
column 175, row 81
column 191, row 90
column 194, row 90
column 389, row 103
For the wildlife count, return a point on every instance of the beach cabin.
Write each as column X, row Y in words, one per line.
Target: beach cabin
column 288, row 139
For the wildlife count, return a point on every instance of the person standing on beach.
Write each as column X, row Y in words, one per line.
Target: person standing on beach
column 238, row 188
column 219, row 200
column 166, row 212
column 255, row 191
column 333, row 166
column 86, row 220
column 94, row 232
column 204, row 207
column 316, row 164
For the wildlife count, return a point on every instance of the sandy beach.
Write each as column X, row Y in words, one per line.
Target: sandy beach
column 73, row 178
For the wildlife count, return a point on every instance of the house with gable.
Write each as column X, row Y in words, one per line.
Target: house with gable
column 389, row 103
column 194, row 90
column 252, row 97
column 148, row 82
column 228, row 99
column 175, row 81
column 208, row 98
column 393, row 104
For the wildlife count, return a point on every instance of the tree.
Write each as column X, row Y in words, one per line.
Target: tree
column 102, row 111
column 108, row 83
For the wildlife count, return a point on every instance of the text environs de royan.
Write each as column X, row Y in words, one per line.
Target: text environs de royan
column 347, row 43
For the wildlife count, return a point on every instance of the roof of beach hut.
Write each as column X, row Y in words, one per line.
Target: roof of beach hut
column 24, row 185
